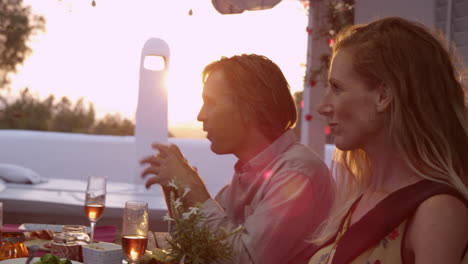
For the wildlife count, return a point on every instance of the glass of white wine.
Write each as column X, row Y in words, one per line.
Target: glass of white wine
column 95, row 200
column 134, row 230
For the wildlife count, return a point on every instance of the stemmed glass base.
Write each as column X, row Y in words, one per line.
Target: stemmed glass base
column 93, row 224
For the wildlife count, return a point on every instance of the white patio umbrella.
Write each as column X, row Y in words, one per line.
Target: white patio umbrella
column 239, row 6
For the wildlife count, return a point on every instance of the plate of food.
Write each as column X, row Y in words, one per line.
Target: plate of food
column 38, row 227
column 41, row 238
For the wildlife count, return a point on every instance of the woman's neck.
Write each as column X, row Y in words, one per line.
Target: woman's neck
column 389, row 171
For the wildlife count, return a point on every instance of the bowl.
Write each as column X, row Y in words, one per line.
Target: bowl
column 102, row 253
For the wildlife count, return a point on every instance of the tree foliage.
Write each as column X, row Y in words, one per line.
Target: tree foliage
column 115, row 125
column 26, row 113
column 17, row 24
column 31, row 113
column 340, row 14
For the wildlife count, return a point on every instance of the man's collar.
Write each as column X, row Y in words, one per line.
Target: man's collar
column 263, row 158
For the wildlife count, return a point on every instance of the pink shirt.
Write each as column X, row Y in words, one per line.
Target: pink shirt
column 280, row 197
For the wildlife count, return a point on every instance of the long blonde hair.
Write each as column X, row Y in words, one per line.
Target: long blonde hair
column 428, row 115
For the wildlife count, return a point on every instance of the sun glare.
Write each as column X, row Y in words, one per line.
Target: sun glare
column 92, row 52
column 154, row 63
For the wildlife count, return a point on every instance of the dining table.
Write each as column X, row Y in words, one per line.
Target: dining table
column 107, row 233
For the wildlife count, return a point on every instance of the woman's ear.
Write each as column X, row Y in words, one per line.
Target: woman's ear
column 384, row 97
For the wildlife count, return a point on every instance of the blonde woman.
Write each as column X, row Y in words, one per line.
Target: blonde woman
column 397, row 108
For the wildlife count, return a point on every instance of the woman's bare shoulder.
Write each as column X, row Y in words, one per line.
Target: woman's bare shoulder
column 438, row 230
column 442, row 202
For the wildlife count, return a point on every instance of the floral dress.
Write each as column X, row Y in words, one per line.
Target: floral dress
column 378, row 237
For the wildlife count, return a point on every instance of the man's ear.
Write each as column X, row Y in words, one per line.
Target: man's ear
column 247, row 114
column 384, row 97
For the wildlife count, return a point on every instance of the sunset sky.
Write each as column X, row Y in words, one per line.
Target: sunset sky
column 95, row 52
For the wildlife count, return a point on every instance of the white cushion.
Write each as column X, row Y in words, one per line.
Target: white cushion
column 2, row 185
column 19, row 174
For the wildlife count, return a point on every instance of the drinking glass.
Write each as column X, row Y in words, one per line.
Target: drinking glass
column 134, row 230
column 95, row 200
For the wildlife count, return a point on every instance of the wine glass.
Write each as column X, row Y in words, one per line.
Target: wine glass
column 95, row 200
column 135, row 230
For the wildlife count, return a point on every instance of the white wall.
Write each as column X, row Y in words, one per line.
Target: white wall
column 69, row 155
column 151, row 122
column 76, row 156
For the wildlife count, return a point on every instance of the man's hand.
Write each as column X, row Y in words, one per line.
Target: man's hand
column 169, row 164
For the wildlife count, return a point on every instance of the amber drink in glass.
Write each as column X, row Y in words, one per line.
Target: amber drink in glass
column 134, row 230
column 95, row 200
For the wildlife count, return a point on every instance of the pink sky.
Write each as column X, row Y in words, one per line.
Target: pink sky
column 94, row 52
